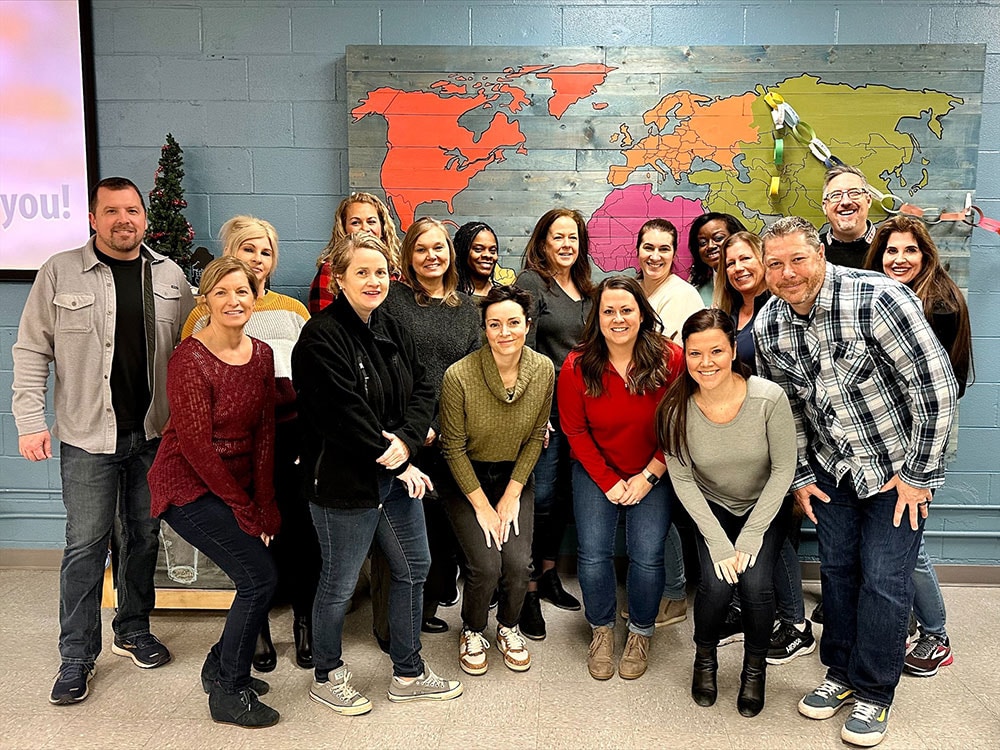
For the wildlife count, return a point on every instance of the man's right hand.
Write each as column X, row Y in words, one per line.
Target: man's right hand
column 36, row 446
column 802, row 496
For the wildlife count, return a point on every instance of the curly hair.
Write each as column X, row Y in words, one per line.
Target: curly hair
column 389, row 235
column 701, row 272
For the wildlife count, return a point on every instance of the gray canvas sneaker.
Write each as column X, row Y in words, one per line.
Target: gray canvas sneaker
column 338, row 694
column 427, row 687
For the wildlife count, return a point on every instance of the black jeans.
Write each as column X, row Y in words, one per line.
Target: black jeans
column 755, row 586
column 209, row 524
column 486, row 566
column 296, row 549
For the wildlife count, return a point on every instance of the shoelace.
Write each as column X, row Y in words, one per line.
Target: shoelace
column 599, row 641
column 475, row 642
column 635, row 643
column 248, row 698
column 513, row 638
column 344, row 689
column 925, row 646
column 828, row 689
column 865, row 712
column 71, row 672
column 432, row 680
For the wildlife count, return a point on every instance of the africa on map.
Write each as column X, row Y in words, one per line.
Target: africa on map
column 502, row 134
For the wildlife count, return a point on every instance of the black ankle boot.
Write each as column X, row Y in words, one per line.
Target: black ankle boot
column 704, row 688
column 241, row 708
column 265, row 658
column 750, row 701
column 302, row 630
column 551, row 589
column 210, row 673
column 532, row 623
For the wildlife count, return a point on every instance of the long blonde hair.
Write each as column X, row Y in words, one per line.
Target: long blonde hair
column 417, row 228
column 389, row 235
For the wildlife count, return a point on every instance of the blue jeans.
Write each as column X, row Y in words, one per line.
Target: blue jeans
column 866, row 568
column 674, row 582
column 646, row 527
column 95, row 487
column 755, row 585
column 928, row 604
column 345, row 535
column 209, row 524
column 552, row 499
column 788, row 585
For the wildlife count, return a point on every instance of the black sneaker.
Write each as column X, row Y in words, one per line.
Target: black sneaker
column 732, row 627
column 71, row 685
column 532, row 623
column 145, row 650
column 551, row 589
column 787, row 643
column 817, row 615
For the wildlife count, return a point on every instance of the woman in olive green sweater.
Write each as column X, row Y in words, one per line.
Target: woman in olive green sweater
column 494, row 406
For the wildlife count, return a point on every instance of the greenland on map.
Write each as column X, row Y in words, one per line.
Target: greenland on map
column 502, row 134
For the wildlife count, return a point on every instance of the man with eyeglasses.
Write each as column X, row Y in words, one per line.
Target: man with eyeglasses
column 846, row 201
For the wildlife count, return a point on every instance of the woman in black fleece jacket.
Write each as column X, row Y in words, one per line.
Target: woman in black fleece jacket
column 365, row 405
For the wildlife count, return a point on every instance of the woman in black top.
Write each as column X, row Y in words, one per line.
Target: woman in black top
column 365, row 406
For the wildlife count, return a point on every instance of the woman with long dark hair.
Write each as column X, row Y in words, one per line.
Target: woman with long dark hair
column 672, row 298
column 494, row 406
column 365, row 406
column 729, row 442
column 705, row 238
column 903, row 250
column 610, row 386
column 212, row 479
column 557, row 275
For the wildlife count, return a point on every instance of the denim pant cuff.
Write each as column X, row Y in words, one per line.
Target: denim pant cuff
column 610, row 625
column 675, row 595
column 648, row 632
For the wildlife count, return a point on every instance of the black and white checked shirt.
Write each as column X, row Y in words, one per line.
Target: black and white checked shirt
column 871, row 389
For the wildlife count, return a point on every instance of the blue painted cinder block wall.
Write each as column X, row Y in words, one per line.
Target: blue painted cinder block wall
column 255, row 92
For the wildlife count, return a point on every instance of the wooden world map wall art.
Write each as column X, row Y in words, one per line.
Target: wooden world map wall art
column 623, row 134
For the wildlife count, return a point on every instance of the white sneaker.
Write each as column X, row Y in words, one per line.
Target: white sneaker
column 472, row 647
column 514, row 649
column 427, row 687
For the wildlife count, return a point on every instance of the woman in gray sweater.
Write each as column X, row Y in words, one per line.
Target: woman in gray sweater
column 729, row 442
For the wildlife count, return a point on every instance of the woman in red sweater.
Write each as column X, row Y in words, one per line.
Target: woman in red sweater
column 212, row 479
column 609, row 389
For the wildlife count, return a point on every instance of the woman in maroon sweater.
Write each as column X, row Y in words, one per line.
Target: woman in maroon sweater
column 609, row 388
column 212, row 479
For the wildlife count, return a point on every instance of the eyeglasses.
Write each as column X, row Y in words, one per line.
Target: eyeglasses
column 835, row 196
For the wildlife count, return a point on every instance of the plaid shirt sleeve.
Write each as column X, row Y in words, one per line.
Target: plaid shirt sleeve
column 319, row 291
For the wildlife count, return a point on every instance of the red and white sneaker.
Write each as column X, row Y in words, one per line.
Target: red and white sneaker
column 928, row 654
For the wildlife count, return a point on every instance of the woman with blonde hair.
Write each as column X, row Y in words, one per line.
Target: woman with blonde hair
column 444, row 323
column 212, row 477
column 357, row 212
column 277, row 321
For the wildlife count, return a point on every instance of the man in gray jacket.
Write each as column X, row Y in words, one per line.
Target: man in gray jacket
column 107, row 316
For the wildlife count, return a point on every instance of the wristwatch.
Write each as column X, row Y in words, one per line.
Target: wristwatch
column 651, row 478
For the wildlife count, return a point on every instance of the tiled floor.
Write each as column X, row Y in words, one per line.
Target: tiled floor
column 554, row 705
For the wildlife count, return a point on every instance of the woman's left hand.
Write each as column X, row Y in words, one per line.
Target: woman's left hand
column 266, row 538
column 508, row 509
column 395, row 455
column 744, row 560
column 417, row 483
column 636, row 488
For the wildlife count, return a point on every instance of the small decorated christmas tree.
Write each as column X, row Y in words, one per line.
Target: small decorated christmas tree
column 169, row 232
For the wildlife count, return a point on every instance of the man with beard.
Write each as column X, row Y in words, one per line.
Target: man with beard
column 873, row 396
column 106, row 316
column 846, row 201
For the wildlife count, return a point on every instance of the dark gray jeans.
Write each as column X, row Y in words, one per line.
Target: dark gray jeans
column 486, row 566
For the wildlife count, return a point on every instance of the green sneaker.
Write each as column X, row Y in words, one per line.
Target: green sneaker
column 867, row 725
column 826, row 700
